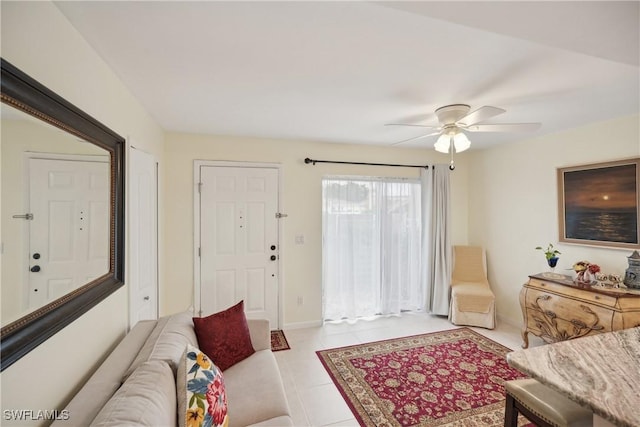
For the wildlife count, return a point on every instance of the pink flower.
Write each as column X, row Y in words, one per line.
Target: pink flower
column 594, row 268
column 217, row 400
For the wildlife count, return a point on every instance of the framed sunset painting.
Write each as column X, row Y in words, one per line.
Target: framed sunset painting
column 598, row 204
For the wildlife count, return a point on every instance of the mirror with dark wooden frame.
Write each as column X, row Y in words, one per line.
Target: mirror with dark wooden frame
column 39, row 130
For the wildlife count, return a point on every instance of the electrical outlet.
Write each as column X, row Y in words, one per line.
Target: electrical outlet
column 300, row 301
column 299, row 239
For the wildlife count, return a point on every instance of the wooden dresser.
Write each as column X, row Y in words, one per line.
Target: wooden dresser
column 556, row 309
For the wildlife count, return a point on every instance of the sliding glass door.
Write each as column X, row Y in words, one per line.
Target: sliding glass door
column 371, row 247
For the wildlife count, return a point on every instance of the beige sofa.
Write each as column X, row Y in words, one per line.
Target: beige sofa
column 136, row 384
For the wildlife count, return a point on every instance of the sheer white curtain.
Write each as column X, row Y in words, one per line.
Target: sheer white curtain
column 372, row 249
column 436, row 237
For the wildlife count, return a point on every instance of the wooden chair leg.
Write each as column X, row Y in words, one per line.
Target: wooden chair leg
column 513, row 408
column 510, row 412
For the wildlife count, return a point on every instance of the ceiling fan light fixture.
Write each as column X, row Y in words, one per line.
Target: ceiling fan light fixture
column 443, row 143
column 461, row 142
column 455, row 118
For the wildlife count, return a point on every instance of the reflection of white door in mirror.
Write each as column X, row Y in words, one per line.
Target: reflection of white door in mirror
column 24, row 138
column 68, row 235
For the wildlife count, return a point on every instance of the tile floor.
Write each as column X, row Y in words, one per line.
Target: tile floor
column 313, row 398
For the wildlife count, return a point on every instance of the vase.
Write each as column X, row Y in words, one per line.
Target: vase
column 553, row 261
column 585, row 277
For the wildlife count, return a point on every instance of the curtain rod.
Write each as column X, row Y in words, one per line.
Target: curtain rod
column 312, row 161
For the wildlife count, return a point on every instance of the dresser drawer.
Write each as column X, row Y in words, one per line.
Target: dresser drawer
column 563, row 317
column 629, row 304
column 575, row 293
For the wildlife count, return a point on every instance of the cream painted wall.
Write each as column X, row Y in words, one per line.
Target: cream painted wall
column 301, row 200
column 513, row 204
column 39, row 40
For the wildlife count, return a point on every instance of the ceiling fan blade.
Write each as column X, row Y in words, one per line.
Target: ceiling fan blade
column 409, row 124
column 416, row 137
column 480, row 115
column 506, row 127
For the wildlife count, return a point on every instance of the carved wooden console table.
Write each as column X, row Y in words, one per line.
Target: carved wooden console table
column 556, row 309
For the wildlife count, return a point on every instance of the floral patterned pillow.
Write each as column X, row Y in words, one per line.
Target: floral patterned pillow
column 202, row 400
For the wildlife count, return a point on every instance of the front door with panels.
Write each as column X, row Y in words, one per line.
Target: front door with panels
column 69, row 232
column 238, row 241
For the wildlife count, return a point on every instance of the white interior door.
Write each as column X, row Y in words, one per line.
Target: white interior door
column 143, row 248
column 69, row 233
column 238, row 238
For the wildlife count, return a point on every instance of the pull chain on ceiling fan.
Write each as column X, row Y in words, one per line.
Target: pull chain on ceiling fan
column 456, row 118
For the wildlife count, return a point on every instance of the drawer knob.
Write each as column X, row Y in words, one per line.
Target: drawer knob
column 597, row 297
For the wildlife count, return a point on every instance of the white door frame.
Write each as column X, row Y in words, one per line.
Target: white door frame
column 196, row 229
column 130, row 147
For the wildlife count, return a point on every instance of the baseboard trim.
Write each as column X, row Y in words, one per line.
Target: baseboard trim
column 302, row 325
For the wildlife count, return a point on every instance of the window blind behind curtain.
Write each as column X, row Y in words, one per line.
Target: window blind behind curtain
column 372, row 255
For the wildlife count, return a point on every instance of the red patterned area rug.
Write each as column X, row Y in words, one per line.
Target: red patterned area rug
column 279, row 341
column 448, row 378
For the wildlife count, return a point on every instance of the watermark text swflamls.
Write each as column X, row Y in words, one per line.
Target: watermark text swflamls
column 35, row 415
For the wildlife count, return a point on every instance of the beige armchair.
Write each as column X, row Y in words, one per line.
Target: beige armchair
column 472, row 301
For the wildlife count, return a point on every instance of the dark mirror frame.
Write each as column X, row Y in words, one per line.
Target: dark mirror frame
column 26, row 94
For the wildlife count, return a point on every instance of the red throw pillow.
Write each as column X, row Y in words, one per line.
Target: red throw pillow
column 224, row 336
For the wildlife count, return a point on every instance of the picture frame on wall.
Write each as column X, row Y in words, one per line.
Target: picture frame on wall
column 598, row 204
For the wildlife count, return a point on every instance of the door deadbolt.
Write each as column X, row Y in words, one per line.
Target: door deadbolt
column 273, row 247
column 36, row 256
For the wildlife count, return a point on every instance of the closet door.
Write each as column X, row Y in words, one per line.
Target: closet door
column 143, row 236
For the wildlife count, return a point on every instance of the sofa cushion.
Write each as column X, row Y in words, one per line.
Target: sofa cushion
column 107, row 378
column 255, row 391
column 201, row 394
column 147, row 397
column 167, row 341
column 225, row 336
column 260, row 334
column 282, row 421
column 473, row 297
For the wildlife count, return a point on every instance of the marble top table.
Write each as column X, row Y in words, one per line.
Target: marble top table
column 600, row 372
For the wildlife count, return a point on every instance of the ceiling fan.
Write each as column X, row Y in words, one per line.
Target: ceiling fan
column 455, row 119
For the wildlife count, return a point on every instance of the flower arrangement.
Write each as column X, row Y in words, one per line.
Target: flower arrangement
column 586, row 265
column 585, row 271
column 550, row 252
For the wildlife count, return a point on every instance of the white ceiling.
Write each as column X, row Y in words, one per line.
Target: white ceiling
column 337, row 71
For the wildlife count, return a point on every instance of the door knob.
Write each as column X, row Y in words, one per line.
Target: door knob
column 273, row 257
column 35, row 268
